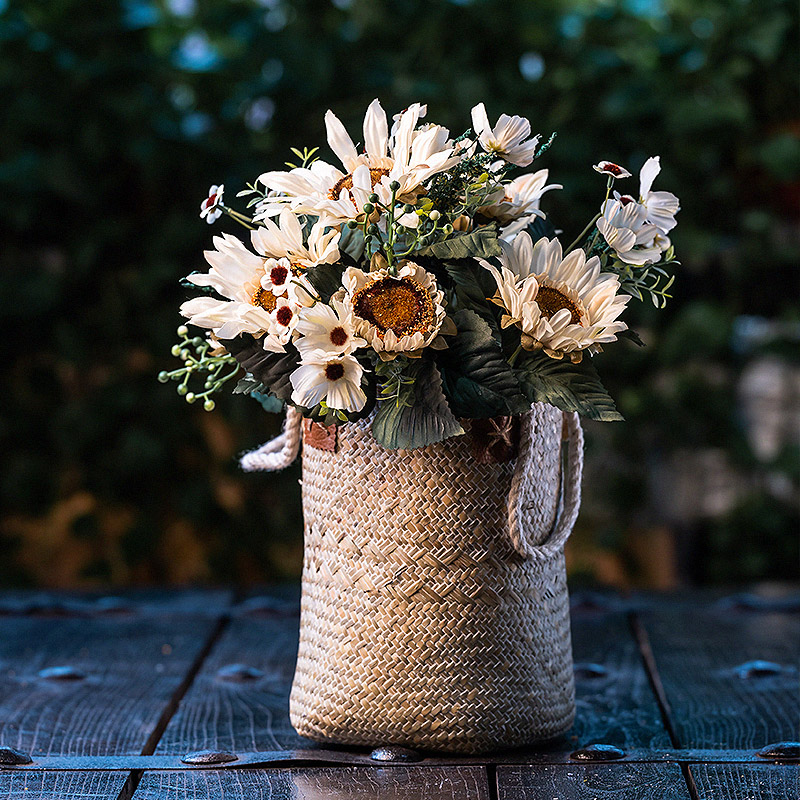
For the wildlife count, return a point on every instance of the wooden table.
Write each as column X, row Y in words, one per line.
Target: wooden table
column 104, row 698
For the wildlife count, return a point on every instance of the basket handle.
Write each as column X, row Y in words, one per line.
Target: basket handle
column 280, row 452
column 571, row 483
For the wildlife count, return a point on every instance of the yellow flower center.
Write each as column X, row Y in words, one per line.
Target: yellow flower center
column 397, row 304
column 550, row 301
column 263, row 298
column 346, row 183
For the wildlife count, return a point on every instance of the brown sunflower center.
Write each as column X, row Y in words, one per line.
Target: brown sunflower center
column 338, row 336
column 397, row 304
column 550, row 301
column 346, row 183
column 263, row 298
column 334, row 371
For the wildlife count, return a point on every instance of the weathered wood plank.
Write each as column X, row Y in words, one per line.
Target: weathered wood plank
column 592, row 782
column 746, row 781
column 614, row 701
column 239, row 700
column 729, row 676
column 386, row 783
column 61, row 785
column 108, row 679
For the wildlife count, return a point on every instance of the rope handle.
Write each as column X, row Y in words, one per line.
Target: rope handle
column 571, row 496
column 280, row 452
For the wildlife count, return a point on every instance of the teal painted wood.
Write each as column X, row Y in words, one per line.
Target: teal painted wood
column 750, row 781
column 61, row 785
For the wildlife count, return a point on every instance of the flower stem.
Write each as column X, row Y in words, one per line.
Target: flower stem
column 583, row 233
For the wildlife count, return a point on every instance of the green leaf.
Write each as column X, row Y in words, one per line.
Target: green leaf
column 270, row 369
column 269, row 402
column 568, row 386
column 326, row 279
column 480, row 243
column 478, row 381
column 631, row 334
column 424, row 419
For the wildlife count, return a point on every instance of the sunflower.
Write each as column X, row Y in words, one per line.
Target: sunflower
column 562, row 304
column 394, row 314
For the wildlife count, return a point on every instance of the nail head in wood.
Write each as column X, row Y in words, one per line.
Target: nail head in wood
column 9, row 757
column 64, row 673
column 597, row 752
column 781, row 751
column 394, row 753
column 758, row 669
column 239, row 673
column 209, row 757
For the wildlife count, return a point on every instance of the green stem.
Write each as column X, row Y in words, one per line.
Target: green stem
column 582, row 234
column 514, row 356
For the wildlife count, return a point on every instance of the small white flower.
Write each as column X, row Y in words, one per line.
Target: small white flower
column 285, row 240
column 520, row 198
column 210, row 209
column 327, row 329
column 660, row 207
column 337, row 381
column 563, row 304
column 625, row 228
column 277, row 275
column 508, row 139
column 612, row 169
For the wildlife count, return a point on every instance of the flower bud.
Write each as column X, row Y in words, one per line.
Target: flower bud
column 182, row 390
column 368, row 208
column 190, row 397
column 163, row 377
column 373, row 198
column 183, row 330
column 394, row 186
column 434, row 215
column 209, row 404
column 352, row 224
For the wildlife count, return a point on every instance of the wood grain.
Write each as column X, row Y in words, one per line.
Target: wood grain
column 615, row 704
column 714, row 701
column 61, row 785
column 386, row 783
column 248, row 714
column 750, row 781
column 592, row 782
column 132, row 666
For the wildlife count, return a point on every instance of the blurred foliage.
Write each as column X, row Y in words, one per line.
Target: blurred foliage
column 119, row 115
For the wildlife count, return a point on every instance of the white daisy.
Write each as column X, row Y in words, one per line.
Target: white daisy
column 626, row 230
column 563, row 305
column 394, row 315
column 327, row 329
column 407, row 156
column 235, row 274
column 210, row 209
column 337, row 381
column 508, row 139
column 285, row 240
column 520, row 198
column 660, row 207
column 612, row 169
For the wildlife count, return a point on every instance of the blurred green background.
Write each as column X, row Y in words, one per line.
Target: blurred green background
column 117, row 116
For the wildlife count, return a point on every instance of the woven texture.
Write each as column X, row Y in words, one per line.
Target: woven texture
column 435, row 611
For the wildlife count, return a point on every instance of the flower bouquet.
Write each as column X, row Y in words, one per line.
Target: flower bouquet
column 432, row 340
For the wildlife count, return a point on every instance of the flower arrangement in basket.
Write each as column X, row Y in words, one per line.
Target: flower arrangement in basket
column 432, row 338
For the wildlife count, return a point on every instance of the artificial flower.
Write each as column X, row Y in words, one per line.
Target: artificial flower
column 327, row 329
column 408, row 157
column 508, row 139
column 660, row 207
column 612, row 169
column 520, row 198
column 562, row 304
column 337, row 381
column 401, row 314
column 211, row 207
column 625, row 228
column 236, row 275
column 285, row 240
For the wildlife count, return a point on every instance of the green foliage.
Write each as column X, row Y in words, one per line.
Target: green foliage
column 568, row 386
column 480, row 243
column 416, row 413
column 326, row 279
column 477, row 378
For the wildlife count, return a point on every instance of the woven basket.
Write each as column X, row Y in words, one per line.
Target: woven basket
column 435, row 611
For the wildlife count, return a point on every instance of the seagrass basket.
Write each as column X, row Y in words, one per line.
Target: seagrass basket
column 435, row 612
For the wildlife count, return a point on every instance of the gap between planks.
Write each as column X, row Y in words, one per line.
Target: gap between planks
column 135, row 776
column 656, row 684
